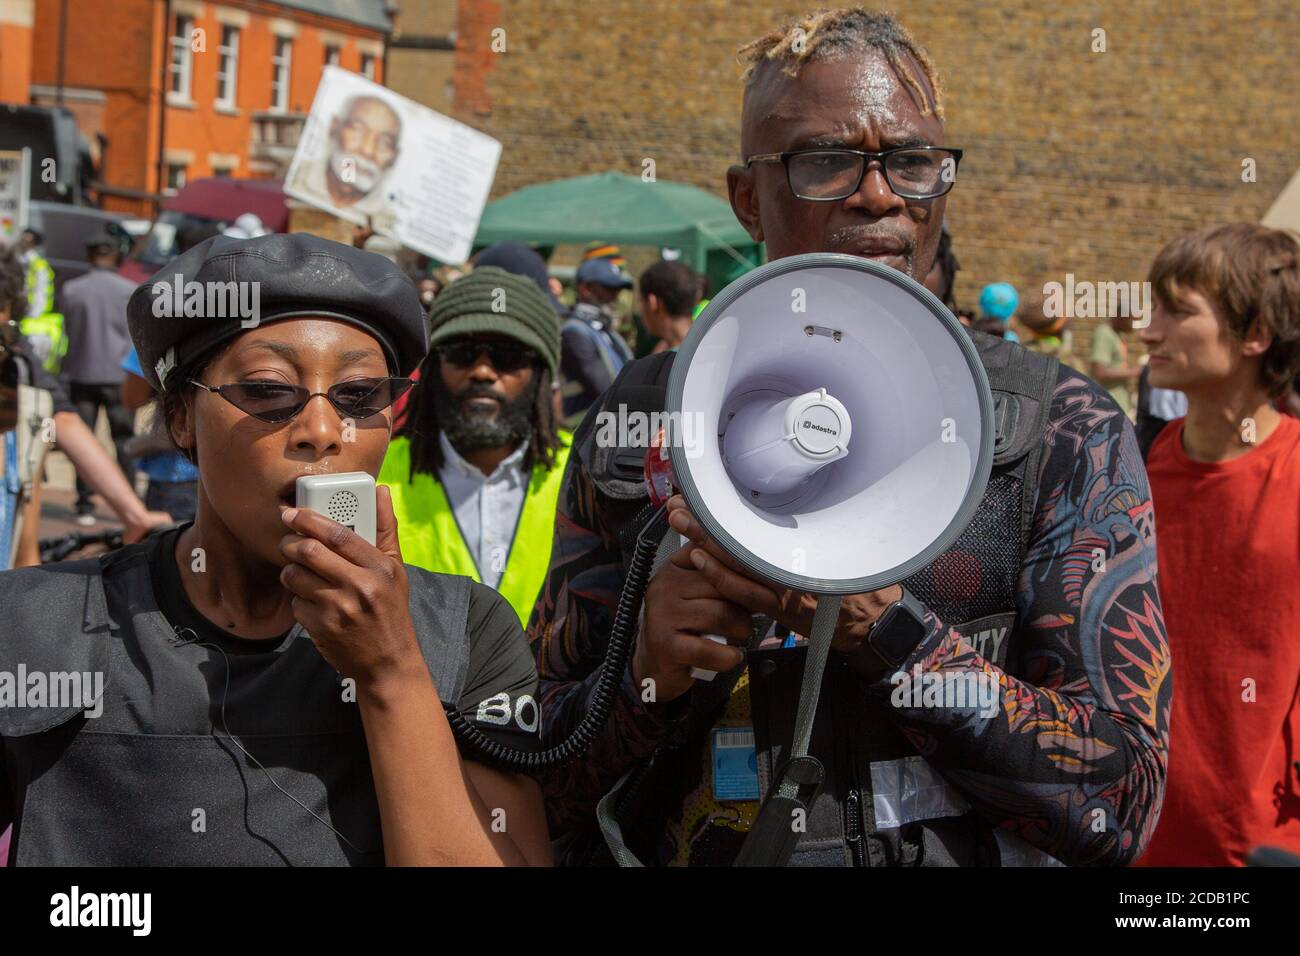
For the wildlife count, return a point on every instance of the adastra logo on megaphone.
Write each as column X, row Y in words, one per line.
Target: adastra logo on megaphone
column 834, row 424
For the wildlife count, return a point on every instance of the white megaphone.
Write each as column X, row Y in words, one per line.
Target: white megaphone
column 847, row 425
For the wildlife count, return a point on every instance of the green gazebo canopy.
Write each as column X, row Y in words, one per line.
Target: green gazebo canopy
column 615, row 207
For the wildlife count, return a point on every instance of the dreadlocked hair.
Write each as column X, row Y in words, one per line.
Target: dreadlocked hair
column 422, row 426
column 949, row 266
column 825, row 34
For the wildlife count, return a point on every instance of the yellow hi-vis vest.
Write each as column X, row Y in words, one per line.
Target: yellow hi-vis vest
column 430, row 538
column 45, row 336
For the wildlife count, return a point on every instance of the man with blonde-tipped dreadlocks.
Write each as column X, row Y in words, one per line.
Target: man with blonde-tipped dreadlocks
column 1048, row 598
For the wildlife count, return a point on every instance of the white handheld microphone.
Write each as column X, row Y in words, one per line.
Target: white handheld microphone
column 348, row 498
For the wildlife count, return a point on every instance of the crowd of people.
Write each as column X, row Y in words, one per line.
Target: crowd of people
column 1128, row 584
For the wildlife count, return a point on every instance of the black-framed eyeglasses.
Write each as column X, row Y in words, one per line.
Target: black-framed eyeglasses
column 504, row 354
column 827, row 174
column 276, row 402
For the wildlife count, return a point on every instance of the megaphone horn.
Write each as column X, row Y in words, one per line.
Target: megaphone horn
column 853, row 417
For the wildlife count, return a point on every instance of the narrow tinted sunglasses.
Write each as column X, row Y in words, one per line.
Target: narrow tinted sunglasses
column 276, row 402
column 504, row 356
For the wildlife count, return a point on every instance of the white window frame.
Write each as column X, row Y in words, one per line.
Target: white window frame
column 228, row 67
column 180, row 66
column 333, row 54
column 281, row 74
column 368, row 66
column 183, row 177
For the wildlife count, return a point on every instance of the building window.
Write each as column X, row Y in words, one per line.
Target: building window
column 280, row 74
column 368, row 66
column 180, row 69
column 332, row 54
column 223, row 171
column 228, row 67
column 176, row 176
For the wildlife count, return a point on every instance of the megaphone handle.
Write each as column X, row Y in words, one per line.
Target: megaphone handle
column 699, row 673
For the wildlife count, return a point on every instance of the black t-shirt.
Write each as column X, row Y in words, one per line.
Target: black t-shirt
column 263, row 680
column 501, row 671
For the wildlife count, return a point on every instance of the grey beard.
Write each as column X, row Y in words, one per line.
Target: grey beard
column 850, row 234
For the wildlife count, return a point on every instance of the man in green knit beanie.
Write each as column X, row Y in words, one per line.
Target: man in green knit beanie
column 476, row 469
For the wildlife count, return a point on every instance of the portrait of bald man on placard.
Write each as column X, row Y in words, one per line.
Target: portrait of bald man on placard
column 361, row 149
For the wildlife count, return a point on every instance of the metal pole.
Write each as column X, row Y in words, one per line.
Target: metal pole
column 162, row 105
column 63, row 47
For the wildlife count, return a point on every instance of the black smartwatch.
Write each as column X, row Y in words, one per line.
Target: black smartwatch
column 899, row 630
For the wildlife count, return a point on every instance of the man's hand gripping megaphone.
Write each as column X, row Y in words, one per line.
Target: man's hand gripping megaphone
column 702, row 590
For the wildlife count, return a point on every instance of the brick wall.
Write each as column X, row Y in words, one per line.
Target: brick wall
column 1076, row 161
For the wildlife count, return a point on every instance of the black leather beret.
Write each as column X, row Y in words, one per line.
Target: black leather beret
column 223, row 286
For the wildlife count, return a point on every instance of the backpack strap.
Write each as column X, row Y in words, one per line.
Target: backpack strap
column 610, row 357
column 1023, row 383
column 439, row 606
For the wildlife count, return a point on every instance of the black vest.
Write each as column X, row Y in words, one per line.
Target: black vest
column 881, row 804
column 154, row 780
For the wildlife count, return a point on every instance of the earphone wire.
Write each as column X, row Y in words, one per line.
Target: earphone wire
column 231, row 737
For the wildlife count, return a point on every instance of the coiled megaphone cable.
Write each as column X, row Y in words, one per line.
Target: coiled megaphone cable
column 621, row 641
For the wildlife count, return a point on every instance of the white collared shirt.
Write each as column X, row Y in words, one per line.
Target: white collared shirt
column 486, row 507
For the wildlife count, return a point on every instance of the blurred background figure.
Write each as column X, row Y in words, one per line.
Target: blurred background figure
column 1046, row 334
column 666, row 298
column 520, row 259
column 40, row 274
column 998, row 302
column 246, row 226
column 1109, row 363
column 71, row 436
column 94, row 317
column 593, row 351
column 604, row 250
column 173, row 477
column 703, row 294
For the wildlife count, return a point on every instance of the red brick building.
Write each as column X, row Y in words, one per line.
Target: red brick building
column 223, row 87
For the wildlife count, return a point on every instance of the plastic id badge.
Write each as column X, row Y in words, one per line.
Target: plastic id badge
column 735, row 764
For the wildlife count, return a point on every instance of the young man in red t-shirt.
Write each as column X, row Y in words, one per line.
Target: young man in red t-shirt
column 1225, row 481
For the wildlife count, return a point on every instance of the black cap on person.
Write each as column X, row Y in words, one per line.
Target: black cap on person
column 223, row 287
